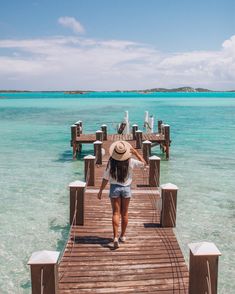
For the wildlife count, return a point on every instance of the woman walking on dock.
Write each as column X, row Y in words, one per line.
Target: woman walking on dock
column 119, row 174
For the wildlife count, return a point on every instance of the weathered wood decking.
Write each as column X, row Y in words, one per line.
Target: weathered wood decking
column 149, row 262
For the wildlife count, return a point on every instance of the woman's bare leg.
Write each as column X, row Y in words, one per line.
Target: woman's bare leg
column 124, row 213
column 116, row 206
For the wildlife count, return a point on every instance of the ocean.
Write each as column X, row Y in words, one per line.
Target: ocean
column 36, row 167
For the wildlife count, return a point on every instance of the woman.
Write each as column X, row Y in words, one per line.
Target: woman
column 119, row 173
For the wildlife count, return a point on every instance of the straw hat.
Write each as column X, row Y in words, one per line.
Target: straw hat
column 120, row 150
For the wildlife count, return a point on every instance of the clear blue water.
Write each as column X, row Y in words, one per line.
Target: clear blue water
column 36, row 167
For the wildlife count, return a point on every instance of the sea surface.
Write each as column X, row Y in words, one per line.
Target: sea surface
column 36, row 167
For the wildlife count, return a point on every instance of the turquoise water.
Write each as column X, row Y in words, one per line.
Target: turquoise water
column 36, row 168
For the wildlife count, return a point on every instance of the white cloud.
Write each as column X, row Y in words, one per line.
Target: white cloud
column 82, row 63
column 71, row 23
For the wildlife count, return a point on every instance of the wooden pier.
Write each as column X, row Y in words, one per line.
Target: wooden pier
column 150, row 261
column 161, row 138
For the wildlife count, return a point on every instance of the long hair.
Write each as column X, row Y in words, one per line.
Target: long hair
column 118, row 169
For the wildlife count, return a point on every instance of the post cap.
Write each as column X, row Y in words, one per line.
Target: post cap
column 169, row 186
column 204, row 248
column 104, row 125
column 77, row 184
column 134, row 125
column 99, row 131
column 98, row 142
column 89, row 157
column 139, row 131
column 166, row 125
column 77, row 122
column 154, row 157
column 73, row 126
column 147, row 142
column 44, row 257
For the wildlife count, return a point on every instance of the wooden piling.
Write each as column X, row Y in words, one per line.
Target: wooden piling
column 104, row 130
column 79, row 127
column 73, row 140
column 99, row 135
column 159, row 123
column 73, row 133
column 89, row 170
column 77, row 190
column 167, row 140
column 169, row 203
column 146, row 150
column 98, row 152
column 134, row 129
column 154, row 171
column 44, row 272
column 203, row 268
column 139, row 136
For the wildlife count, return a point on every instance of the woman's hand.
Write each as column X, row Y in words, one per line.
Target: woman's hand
column 99, row 196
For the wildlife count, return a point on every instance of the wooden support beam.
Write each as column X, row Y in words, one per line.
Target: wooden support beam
column 98, row 152
column 99, row 135
column 147, row 150
column 154, row 171
column 104, row 130
column 89, row 170
column 79, row 127
column 77, row 190
column 44, row 272
column 167, row 140
column 73, row 140
column 139, row 137
column 134, row 129
column 203, row 268
column 159, row 123
column 73, row 133
column 169, row 203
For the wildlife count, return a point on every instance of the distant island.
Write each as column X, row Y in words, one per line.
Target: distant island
column 146, row 91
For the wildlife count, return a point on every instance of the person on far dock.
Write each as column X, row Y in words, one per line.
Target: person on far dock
column 119, row 173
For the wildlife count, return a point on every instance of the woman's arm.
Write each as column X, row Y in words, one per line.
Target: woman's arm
column 139, row 156
column 103, row 185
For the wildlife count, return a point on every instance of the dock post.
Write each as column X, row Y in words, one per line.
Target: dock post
column 134, row 129
column 77, row 190
column 89, row 170
column 146, row 150
column 159, row 123
column 99, row 135
column 79, row 132
column 203, row 268
column 169, row 202
column 154, row 171
column 104, row 130
column 73, row 140
column 44, row 272
column 98, row 152
column 79, row 127
column 139, row 136
column 167, row 140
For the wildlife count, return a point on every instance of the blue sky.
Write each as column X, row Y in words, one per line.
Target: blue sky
column 124, row 44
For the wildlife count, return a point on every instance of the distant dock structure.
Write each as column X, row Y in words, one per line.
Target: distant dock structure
column 155, row 136
column 151, row 260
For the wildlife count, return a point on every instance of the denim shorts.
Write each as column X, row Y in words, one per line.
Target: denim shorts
column 119, row 191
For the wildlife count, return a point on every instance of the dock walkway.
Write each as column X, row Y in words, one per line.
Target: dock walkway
column 150, row 261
